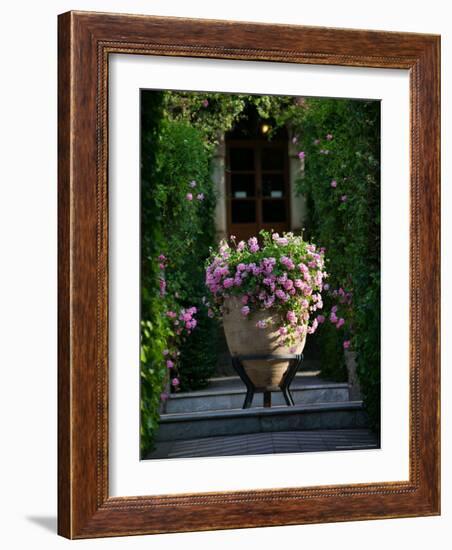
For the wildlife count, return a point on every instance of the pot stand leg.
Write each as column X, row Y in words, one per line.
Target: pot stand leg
column 237, row 364
column 294, row 364
column 267, row 399
column 287, row 379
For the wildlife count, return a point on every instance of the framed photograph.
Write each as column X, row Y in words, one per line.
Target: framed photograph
column 248, row 275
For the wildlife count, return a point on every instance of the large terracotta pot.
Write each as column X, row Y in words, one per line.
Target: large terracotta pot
column 245, row 338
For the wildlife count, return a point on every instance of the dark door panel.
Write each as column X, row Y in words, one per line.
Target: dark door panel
column 257, row 182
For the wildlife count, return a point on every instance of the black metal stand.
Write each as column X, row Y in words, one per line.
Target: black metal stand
column 294, row 364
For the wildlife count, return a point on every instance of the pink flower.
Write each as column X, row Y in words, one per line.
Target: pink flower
column 301, row 155
column 282, row 331
column 326, row 286
column 200, row 196
column 245, row 299
column 287, row 262
column 192, row 184
column 253, row 244
column 165, row 352
column 291, row 317
column 334, row 183
column 162, row 285
column 171, row 314
column 162, row 257
column 169, row 364
column 161, row 266
column 288, row 284
column 245, row 311
column 340, row 323
column 320, row 319
column 333, row 318
column 175, row 382
column 344, row 198
column 164, row 396
column 346, row 344
column 205, row 103
column 261, row 324
column 210, row 313
column 334, row 309
column 227, row 283
column 241, row 246
column 281, row 294
column 189, row 196
column 281, row 241
column 190, row 325
column 314, row 326
column 329, row 137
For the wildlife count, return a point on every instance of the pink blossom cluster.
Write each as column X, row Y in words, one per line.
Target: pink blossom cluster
column 162, row 282
column 189, row 195
column 344, row 299
column 281, row 273
column 184, row 320
column 170, row 357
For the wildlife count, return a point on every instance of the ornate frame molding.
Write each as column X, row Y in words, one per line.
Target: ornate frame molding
column 85, row 42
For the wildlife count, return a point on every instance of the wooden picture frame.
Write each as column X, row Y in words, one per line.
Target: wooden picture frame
column 85, row 508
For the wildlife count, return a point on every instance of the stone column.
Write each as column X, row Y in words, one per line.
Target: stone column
column 298, row 211
column 219, row 179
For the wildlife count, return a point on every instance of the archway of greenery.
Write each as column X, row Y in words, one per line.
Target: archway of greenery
column 339, row 142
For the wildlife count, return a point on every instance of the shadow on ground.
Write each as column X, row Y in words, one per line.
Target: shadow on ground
column 49, row 523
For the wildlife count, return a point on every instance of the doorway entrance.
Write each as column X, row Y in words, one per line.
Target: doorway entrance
column 257, row 185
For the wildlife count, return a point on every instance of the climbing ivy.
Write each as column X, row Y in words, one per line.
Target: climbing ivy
column 339, row 142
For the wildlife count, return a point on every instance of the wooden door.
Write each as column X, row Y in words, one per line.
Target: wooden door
column 257, row 184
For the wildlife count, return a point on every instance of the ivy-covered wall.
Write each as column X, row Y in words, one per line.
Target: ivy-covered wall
column 339, row 141
column 178, row 339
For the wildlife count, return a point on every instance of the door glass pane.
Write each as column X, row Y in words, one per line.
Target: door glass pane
column 273, row 211
column 273, row 185
column 272, row 158
column 241, row 158
column 243, row 211
column 242, row 185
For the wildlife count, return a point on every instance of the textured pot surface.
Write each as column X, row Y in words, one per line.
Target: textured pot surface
column 245, row 338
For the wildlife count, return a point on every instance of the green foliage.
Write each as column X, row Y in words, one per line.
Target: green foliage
column 154, row 328
column 340, row 140
column 198, row 357
column 332, row 354
column 187, row 243
column 174, row 155
column 214, row 114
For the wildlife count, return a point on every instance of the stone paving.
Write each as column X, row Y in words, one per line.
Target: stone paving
column 268, row 443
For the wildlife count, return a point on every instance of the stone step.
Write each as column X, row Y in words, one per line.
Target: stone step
column 314, row 416
column 229, row 393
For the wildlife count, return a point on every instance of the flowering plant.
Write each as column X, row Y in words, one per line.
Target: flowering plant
column 283, row 274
